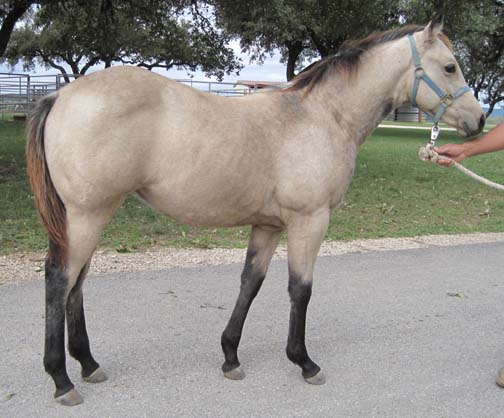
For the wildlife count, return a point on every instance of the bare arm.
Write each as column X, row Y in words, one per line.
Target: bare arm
column 490, row 142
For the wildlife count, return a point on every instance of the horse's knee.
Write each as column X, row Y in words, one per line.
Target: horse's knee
column 299, row 290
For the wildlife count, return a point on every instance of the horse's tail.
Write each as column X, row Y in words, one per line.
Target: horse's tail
column 51, row 209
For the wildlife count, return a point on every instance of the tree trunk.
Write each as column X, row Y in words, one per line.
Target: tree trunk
column 490, row 110
column 17, row 11
column 73, row 65
column 89, row 64
column 294, row 49
column 58, row 67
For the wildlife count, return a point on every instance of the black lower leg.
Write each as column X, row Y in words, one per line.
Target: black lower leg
column 251, row 281
column 78, row 341
column 300, row 294
column 56, row 283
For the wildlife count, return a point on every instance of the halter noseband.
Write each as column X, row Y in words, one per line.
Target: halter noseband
column 446, row 98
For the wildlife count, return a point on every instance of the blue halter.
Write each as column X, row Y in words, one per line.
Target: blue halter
column 446, row 98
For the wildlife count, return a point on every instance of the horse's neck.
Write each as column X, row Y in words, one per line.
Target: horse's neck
column 380, row 85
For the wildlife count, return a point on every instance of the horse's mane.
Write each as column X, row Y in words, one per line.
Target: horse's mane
column 347, row 60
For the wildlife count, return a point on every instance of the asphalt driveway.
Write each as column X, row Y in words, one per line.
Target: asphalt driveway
column 413, row 333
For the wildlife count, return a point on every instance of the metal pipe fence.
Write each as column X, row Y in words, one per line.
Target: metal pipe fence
column 18, row 92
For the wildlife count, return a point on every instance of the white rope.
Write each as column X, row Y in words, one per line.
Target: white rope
column 428, row 154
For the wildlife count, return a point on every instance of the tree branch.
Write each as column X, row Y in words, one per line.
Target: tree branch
column 159, row 64
column 53, row 64
column 319, row 44
column 89, row 64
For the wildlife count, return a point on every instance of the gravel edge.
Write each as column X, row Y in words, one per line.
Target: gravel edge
column 21, row 267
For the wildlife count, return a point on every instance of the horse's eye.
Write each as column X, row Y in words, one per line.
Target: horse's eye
column 450, row 68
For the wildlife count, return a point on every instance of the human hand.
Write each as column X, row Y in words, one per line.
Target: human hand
column 449, row 153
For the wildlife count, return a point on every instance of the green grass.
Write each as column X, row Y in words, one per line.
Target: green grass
column 393, row 194
column 9, row 117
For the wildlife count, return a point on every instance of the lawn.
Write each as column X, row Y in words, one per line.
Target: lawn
column 393, row 194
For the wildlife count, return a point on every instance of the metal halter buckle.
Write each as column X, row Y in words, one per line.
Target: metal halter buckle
column 419, row 72
column 434, row 135
column 447, row 99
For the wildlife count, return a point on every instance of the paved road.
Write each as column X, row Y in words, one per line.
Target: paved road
column 383, row 326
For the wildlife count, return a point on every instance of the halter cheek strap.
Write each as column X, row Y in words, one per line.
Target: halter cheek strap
column 446, row 98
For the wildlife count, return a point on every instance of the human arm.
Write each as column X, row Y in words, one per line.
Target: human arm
column 490, row 142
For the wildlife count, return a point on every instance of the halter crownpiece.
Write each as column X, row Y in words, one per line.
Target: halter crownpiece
column 446, row 98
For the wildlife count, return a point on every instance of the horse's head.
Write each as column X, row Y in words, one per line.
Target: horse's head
column 439, row 87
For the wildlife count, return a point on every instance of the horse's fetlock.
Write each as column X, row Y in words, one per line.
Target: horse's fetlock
column 76, row 351
column 231, row 340
column 53, row 362
column 296, row 353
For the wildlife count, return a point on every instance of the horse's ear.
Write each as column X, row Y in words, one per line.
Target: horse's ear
column 434, row 28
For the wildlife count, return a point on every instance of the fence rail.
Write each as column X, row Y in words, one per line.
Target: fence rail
column 18, row 92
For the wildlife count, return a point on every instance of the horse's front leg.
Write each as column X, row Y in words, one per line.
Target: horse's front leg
column 305, row 234
column 262, row 244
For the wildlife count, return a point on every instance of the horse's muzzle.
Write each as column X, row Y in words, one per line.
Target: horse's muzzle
column 482, row 123
column 472, row 131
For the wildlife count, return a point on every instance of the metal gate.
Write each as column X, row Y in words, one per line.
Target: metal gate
column 18, row 92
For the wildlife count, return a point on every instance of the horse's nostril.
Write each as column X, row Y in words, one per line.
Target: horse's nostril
column 482, row 122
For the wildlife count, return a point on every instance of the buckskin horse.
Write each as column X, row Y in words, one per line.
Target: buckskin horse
column 278, row 161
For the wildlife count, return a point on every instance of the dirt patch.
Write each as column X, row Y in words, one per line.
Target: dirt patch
column 30, row 266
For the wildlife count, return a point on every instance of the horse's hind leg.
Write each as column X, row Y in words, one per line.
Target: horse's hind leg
column 262, row 244
column 56, row 292
column 305, row 234
column 62, row 275
column 78, row 341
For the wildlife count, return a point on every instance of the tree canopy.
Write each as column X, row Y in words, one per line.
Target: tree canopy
column 302, row 28
column 147, row 33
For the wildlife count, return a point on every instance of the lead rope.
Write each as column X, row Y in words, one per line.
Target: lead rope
column 427, row 153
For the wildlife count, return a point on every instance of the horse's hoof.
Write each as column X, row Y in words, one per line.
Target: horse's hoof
column 97, row 376
column 500, row 378
column 235, row 374
column 71, row 398
column 318, row 379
